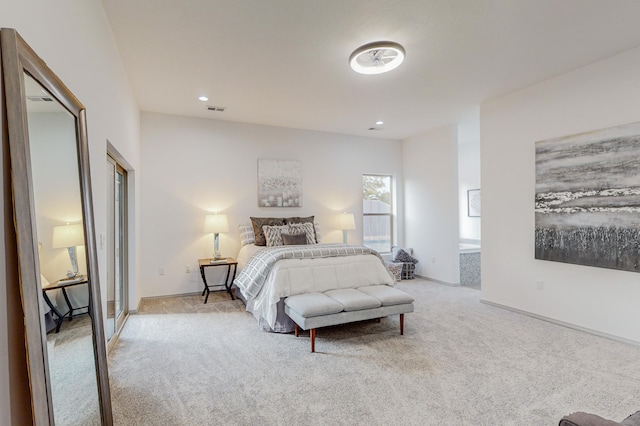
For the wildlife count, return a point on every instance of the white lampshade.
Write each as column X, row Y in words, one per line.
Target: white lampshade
column 215, row 223
column 68, row 236
column 345, row 222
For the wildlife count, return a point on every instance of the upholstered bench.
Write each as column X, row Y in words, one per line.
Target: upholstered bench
column 310, row 311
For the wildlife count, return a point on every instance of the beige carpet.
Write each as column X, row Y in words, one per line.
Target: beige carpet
column 460, row 362
column 72, row 372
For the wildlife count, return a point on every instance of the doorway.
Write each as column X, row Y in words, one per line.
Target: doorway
column 117, row 285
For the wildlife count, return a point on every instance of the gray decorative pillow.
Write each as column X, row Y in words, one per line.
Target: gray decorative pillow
column 632, row 420
column 585, row 419
column 294, row 240
column 309, row 219
column 246, row 235
column 273, row 234
column 304, row 228
column 404, row 257
column 259, row 222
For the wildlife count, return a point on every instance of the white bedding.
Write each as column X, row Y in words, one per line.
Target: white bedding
column 296, row 276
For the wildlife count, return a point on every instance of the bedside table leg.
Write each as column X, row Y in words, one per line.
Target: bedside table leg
column 227, row 286
column 206, row 287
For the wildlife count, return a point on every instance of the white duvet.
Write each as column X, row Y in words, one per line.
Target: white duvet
column 297, row 276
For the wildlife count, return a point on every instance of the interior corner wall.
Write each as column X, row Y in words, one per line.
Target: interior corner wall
column 597, row 96
column 75, row 40
column 430, row 168
column 195, row 166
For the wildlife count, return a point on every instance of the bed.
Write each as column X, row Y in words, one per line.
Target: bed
column 271, row 272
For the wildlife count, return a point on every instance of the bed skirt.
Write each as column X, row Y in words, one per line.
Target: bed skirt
column 283, row 324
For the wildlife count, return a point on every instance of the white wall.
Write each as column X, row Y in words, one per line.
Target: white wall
column 56, row 188
column 601, row 95
column 430, row 167
column 196, row 166
column 469, row 178
column 75, row 40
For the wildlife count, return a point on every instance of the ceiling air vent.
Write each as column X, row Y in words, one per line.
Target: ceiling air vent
column 40, row 98
column 374, row 129
column 216, row 108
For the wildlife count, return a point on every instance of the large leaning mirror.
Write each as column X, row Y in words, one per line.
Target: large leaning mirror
column 56, row 242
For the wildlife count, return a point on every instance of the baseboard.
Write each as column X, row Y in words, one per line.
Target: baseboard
column 165, row 296
column 564, row 324
column 437, row 281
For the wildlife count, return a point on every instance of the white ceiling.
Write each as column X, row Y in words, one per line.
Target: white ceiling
column 285, row 62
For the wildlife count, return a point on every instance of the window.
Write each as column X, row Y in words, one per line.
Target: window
column 377, row 209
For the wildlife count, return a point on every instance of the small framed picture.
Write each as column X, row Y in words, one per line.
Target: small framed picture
column 473, row 203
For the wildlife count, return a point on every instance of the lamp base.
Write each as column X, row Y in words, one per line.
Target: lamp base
column 74, row 262
column 216, row 244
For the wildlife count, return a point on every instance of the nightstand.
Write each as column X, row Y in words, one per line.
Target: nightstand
column 62, row 285
column 228, row 262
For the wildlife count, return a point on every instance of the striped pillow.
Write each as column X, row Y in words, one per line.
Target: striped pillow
column 304, row 228
column 246, row 235
column 309, row 219
column 273, row 234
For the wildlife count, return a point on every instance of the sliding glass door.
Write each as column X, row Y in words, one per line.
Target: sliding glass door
column 116, row 246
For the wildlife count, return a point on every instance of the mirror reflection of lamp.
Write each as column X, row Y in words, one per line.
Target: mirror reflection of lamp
column 214, row 224
column 345, row 222
column 69, row 237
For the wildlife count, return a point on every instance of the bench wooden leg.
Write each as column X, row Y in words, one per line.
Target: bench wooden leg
column 401, row 324
column 313, row 339
column 296, row 330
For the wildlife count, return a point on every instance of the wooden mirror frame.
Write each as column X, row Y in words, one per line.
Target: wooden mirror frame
column 18, row 58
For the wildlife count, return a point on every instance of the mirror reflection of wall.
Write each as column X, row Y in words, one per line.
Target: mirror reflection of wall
column 58, row 216
column 56, row 186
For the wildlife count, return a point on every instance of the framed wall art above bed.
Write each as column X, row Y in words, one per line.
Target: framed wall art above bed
column 279, row 183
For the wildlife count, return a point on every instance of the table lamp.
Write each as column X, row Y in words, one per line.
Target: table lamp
column 69, row 237
column 345, row 222
column 216, row 223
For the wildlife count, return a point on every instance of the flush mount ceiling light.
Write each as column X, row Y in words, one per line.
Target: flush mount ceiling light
column 203, row 98
column 377, row 57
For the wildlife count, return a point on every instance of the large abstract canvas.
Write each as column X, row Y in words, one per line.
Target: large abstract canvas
column 588, row 198
column 279, row 183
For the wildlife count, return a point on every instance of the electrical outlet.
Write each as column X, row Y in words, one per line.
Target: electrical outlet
column 161, row 271
column 540, row 285
column 187, row 269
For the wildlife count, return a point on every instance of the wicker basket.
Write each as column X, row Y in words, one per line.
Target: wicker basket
column 408, row 271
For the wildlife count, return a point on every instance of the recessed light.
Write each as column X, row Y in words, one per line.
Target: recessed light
column 379, row 123
column 377, row 57
column 203, row 98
